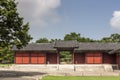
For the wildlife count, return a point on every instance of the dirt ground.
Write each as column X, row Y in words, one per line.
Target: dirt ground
column 19, row 75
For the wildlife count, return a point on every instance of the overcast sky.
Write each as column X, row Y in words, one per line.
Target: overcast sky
column 55, row 18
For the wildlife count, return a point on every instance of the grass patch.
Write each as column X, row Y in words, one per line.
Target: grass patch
column 81, row 78
column 5, row 65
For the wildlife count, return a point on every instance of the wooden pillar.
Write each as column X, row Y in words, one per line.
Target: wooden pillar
column 72, row 57
column 15, row 57
column 30, row 57
column 45, row 55
column 118, row 60
column 58, row 58
column 85, row 57
column 101, row 58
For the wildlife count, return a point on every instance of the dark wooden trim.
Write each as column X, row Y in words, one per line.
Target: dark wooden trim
column 73, row 57
column 101, row 58
column 15, row 57
column 85, row 58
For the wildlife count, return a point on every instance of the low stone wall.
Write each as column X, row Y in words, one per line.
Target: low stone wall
column 60, row 67
column 5, row 67
column 94, row 67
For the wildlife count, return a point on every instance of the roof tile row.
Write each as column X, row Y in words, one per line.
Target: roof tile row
column 69, row 44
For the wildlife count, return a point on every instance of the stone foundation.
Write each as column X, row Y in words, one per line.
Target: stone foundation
column 67, row 67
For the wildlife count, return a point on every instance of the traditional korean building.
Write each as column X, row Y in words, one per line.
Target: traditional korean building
column 82, row 53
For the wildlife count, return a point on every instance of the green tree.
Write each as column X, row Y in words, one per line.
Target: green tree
column 72, row 36
column 76, row 36
column 42, row 40
column 13, row 31
column 83, row 39
column 65, row 56
column 53, row 40
column 6, row 56
column 112, row 38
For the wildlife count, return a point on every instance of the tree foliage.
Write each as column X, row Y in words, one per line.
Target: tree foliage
column 112, row 38
column 66, row 56
column 6, row 56
column 42, row 40
column 12, row 29
column 45, row 40
column 53, row 40
column 67, row 37
column 76, row 36
column 72, row 36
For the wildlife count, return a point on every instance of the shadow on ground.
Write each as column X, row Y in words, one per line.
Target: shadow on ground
column 8, row 74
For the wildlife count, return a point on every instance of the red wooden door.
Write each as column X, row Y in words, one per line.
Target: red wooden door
column 89, row 58
column 97, row 58
column 26, row 58
column 93, row 58
column 41, row 58
column 18, row 58
column 33, row 57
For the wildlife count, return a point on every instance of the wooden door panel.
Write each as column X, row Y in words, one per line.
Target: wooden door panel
column 33, row 58
column 18, row 58
column 93, row 58
column 41, row 58
column 89, row 58
column 25, row 58
column 97, row 58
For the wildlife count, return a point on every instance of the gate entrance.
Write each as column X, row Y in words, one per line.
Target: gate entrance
column 66, row 51
column 65, row 57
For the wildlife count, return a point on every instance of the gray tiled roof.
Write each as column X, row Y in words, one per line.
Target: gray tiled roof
column 66, row 44
column 98, row 46
column 82, row 46
column 114, row 51
column 37, row 47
